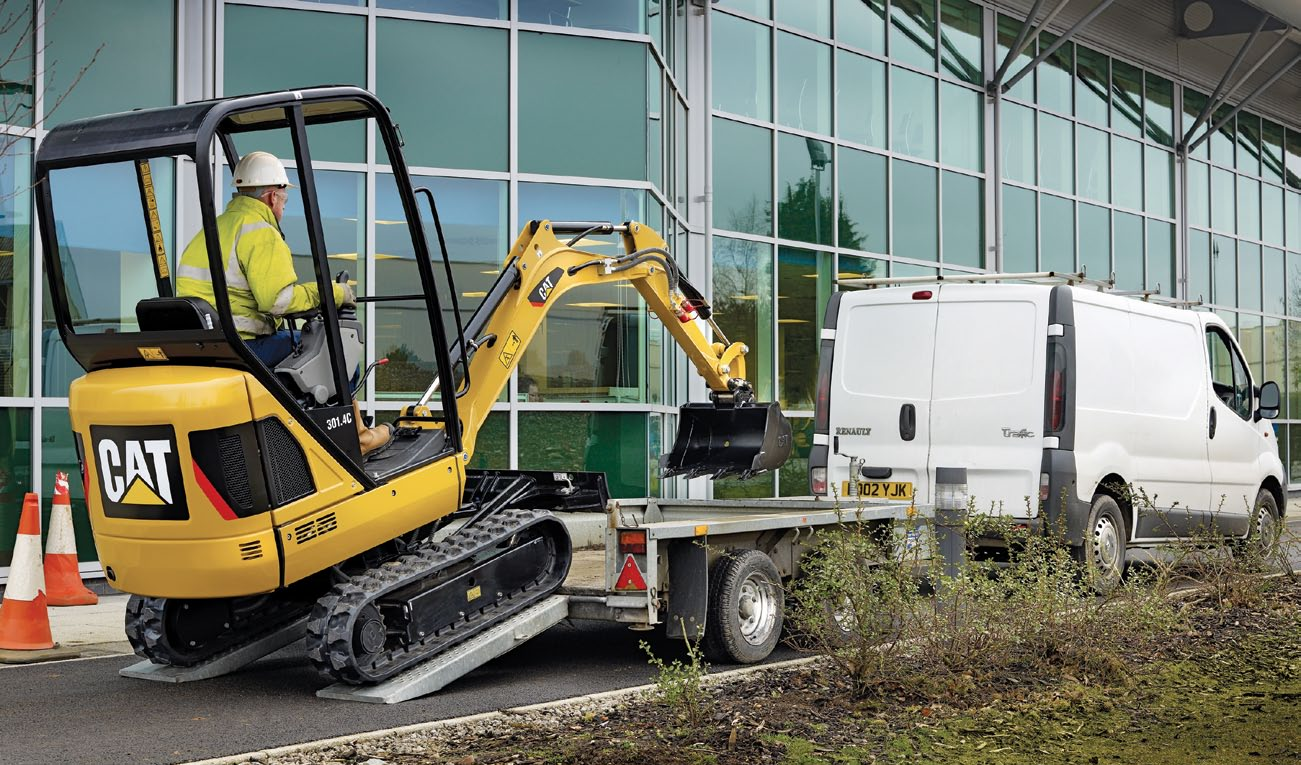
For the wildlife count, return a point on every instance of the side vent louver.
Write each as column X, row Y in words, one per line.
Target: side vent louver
column 250, row 550
column 305, row 532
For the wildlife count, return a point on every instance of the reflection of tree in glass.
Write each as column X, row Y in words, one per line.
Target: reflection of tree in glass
column 405, row 371
column 796, row 213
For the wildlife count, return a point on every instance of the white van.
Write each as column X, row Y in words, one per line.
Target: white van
column 1052, row 397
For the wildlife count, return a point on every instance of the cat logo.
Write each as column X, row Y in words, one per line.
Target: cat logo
column 538, row 297
column 139, row 472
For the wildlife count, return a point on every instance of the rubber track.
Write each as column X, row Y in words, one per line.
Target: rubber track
column 330, row 629
column 146, row 631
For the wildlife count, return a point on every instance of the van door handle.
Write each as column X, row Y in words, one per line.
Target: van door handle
column 876, row 473
column 908, row 422
column 1212, row 421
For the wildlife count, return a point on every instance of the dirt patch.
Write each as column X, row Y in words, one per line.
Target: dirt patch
column 1225, row 690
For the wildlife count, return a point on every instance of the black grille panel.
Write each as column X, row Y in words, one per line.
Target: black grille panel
column 250, row 550
column 235, row 471
column 287, row 471
column 305, row 532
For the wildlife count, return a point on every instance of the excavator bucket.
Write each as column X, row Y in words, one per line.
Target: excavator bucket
column 722, row 441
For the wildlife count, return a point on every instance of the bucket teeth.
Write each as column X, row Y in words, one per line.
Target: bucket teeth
column 721, row 441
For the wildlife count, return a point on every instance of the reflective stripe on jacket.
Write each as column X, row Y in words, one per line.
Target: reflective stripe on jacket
column 259, row 269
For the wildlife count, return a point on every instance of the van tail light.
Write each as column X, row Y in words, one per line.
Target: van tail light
column 1057, row 399
column 822, row 405
column 1043, row 487
column 818, row 480
column 819, row 452
column 632, row 542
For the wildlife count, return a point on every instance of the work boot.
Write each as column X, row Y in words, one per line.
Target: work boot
column 370, row 438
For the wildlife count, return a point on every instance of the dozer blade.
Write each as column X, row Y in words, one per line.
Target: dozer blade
column 723, row 441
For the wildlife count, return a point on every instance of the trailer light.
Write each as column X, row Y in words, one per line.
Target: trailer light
column 818, row 480
column 632, row 542
column 922, row 295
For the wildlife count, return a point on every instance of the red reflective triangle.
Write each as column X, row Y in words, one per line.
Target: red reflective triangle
column 630, row 577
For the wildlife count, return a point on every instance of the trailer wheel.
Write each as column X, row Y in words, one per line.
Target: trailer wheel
column 1103, row 551
column 745, row 616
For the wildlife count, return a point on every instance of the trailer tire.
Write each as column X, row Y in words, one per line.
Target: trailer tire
column 746, row 608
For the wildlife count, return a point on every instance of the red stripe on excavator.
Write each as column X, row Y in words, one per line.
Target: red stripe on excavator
column 213, row 495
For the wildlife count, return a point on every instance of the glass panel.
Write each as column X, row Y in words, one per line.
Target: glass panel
column 1249, row 340
column 794, row 481
column 1056, row 153
column 1055, row 75
column 742, row 67
column 492, row 444
column 15, row 474
column 95, row 63
column 325, row 47
column 456, row 121
column 592, row 346
column 804, row 189
column 1159, row 177
column 810, row 15
column 1092, row 73
column 1271, row 214
column 611, row 15
column 1199, row 194
column 1294, row 287
column 803, row 83
column 483, row 9
column 964, row 220
column 1248, row 207
column 473, row 214
column 16, row 271
column 761, row 8
column 1019, row 230
column 59, row 455
column 1158, row 109
column 1126, row 173
column 962, row 141
column 860, row 99
column 1271, row 151
column 1194, row 102
column 1249, row 276
column 1293, row 215
column 912, row 113
column 1223, row 141
column 912, row 32
column 1018, row 143
column 1128, row 247
column 854, row 267
column 609, row 142
column 1056, row 233
column 960, row 40
column 1248, row 154
column 1273, row 341
column 1294, row 391
column 1222, row 200
column 861, row 23
column 1199, row 266
column 751, row 488
column 1161, row 257
column 1095, row 241
column 743, row 305
column 742, row 177
column 18, row 69
column 900, row 268
column 803, row 286
column 1293, row 174
column 1126, row 98
column 1272, row 279
column 863, row 203
column 1294, row 466
column 1095, row 164
column 1224, row 271
column 1008, row 29
column 608, row 442
column 915, row 202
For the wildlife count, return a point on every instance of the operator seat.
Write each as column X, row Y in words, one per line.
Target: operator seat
column 162, row 314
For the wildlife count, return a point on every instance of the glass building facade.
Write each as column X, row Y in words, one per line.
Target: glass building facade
column 778, row 145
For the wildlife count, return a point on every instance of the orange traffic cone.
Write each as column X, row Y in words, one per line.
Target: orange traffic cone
column 24, row 620
column 62, row 576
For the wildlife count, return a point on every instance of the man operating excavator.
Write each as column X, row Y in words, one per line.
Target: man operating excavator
column 260, row 277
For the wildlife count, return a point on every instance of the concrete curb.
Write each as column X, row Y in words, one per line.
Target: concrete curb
column 503, row 714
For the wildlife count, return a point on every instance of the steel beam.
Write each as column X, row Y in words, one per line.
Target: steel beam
column 1022, row 40
column 1066, row 36
column 1273, row 78
column 1228, row 75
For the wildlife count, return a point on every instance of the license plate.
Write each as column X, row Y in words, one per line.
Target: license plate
column 880, row 489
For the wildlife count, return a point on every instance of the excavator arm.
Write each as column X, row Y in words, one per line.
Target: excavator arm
column 732, row 435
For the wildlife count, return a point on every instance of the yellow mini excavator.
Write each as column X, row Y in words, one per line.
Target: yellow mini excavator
column 231, row 499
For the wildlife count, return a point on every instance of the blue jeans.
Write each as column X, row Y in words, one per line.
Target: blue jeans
column 276, row 347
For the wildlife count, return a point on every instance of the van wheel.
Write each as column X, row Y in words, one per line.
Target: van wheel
column 1103, row 551
column 744, row 621
column 1262, row 537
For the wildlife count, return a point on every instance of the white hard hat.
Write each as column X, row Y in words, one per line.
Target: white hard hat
column 259, row 168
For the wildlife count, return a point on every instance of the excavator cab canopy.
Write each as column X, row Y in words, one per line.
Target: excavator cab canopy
column 113, row 230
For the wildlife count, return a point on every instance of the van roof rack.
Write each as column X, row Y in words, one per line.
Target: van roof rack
column 1049, row 277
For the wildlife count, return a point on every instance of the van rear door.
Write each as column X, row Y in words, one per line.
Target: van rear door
column 880, row 394
column 988, row 392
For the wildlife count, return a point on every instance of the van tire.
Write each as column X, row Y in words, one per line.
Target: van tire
column 1103, row 550
column 1262, row 535
column 746, row 608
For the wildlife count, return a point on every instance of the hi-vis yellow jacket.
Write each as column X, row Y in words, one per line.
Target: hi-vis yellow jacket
column 260, row 276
